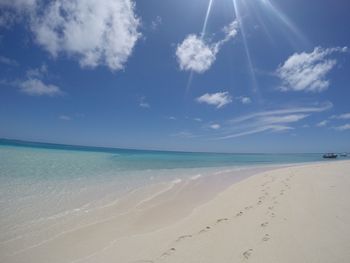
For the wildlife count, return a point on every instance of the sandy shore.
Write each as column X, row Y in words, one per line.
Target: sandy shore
column 293, row 214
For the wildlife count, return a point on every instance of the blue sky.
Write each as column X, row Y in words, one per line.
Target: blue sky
column 220, row 75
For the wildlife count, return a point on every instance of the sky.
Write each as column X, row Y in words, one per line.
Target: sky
column 199, row 75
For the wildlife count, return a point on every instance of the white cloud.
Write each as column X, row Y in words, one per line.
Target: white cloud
column 343, row 127
column 344, row 116
column 215, row 126
column 198, row 119
column 18, row 4
column 244, row 100
column 143, row 103
column 322, row 123
column 93, row 32
column 308, row 71
column 8, row 61
column 172, row 118
column 218, row 99
column 156, row 23
column 35, row 87
column 96, row 32
column 197, row 55
column 230, row 31
column 7, row 18
column 37, row 72
column 12, row 11
column 65, row 118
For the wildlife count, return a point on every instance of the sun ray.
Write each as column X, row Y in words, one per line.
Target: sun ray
column 189, row 82
column 288, row 24
column 206, row 18
column 204, row 29
column 238, row 16
column 260, row 20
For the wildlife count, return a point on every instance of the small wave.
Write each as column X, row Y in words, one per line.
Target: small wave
column 176, row 181
column 172, row 184
column 196, row 177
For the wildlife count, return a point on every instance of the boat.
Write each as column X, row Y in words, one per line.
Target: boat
column 330, row 155
column 343, row 154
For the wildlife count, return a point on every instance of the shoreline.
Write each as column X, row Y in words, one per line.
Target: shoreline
column 154, row 198
column 167, row 221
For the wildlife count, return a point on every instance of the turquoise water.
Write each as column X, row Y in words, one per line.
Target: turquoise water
column 128, row 160
column 75, row 176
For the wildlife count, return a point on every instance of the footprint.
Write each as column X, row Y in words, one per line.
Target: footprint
column 270, row 207
column 266, row 238
column 272, row 215
column 239, row 214
column 183, row 237
column 221, row 220
column 260, row 202
column 205, row 229
column 169, row 252
column 264, row 224
column 248, row 253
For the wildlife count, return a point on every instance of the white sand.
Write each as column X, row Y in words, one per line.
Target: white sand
column 295, row 214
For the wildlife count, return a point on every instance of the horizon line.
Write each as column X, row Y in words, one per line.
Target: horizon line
column 79, row 147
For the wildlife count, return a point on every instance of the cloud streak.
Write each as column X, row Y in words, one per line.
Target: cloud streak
column 279, row 120
column 344, row 116
column 284, row 111
column 344, row 127
column 271, row 128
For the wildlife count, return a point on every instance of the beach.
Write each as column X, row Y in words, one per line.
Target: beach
column 296, row 213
